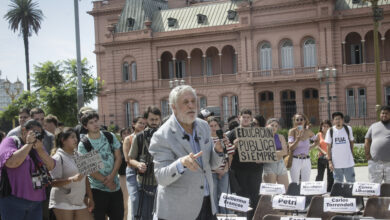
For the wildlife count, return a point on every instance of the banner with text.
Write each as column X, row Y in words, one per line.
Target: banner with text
column 256, row 145
column 88, row 163
column 234, row 202
column 272, row 189
column 313, row 188
column 285, row 202
column 366, row 189
column 339, row 204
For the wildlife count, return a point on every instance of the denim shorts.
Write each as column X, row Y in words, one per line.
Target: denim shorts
column 278, row 168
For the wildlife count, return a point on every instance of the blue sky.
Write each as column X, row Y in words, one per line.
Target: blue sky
column 55, row 41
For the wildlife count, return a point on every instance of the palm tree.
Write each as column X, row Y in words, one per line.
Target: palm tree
column 24, row 16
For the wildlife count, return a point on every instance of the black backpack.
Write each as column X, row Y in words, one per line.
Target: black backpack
column 88, row 146
column 346, row 130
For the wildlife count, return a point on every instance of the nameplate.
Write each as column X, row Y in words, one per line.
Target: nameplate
column 297, row 218
column 285, row 202
column 339, row 204
column 272, row 189
column 234, row 202
column 313, row 188
column 88, row 163
column 366, row 189
column 231, row 218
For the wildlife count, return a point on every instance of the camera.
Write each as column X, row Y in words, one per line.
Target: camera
column 38, row 135
column 149, row 133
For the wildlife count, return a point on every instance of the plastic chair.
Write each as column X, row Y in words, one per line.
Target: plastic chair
column 378, row 207
column 264, row 207
column 294, row 189
column 345, row 190
column 385, row 190
column 316, row 209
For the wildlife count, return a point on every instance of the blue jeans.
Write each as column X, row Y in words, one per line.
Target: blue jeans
column 220, row 186
column 340, row 173
column 12, row 207
column 132, row 189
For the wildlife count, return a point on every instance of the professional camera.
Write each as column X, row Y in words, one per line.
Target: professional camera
column 38, row 135
column 149, row 133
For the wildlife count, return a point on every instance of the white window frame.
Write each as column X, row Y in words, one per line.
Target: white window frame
column 350, row 102
column 209, row 66
column 133, row 71
column 131, row 111
column 287, row 54
column 362, row 103
column 265, row 53
column 309, row 53
column 125, row 72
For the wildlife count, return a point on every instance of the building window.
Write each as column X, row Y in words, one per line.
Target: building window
column 356, row 53
column 309, row 53
column 125, row 72
column 287, row 55
column 132, row 111
column 350, row 102
column 265, row 57
column 209, row 66
column 180, row 69
column 362, row 102
column 133, row 71
column 202, row 102
column 170, row 67
column 165, row 109
column 229, row 106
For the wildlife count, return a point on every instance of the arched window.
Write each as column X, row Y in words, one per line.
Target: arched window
column 125, row 71
column 265, row 57
column 309, row 53
column 133, row 71
column 132, row 111
column 287, row 55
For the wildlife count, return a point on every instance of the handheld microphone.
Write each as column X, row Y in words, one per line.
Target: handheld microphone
column 220, row 137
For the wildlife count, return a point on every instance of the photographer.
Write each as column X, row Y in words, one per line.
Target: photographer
column 140, row 158
column 25, row 163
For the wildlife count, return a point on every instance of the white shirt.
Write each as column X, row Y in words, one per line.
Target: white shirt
column 342, row 156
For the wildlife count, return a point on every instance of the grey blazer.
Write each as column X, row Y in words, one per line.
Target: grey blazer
column 180, row 196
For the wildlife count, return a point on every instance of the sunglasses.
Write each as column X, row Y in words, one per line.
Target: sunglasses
column 299, row 119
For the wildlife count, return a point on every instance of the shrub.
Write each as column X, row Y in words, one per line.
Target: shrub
column 358, row 133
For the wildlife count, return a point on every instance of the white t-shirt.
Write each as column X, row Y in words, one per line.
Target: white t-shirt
column 342, row 156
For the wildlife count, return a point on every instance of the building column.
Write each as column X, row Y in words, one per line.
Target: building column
column 236, row 62
column 174, row 67
column 189, row 66
column 343, row 52
column 204, row 65
column 363, row 50
column 159, row 68
column 383, row 48
column 220, row 63
column 277, row 103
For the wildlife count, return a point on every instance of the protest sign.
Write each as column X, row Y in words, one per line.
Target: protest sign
column 366, row 189
column 339, row 204
column 272, row 189
column 256, row 145
column 285, row 202
column 297, row 218
column 234, row 202
column 88, row 163
column 313, row 188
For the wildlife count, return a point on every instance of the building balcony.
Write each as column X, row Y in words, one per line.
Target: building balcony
column 204, row 80
column 364, row 68
column 273, row 75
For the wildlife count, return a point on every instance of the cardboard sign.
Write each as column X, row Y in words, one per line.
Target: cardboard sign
column 288, row 202
column 339, row 204
column 366, row 189
column 234, row 202
column 313, row 188
column 88, row 163
column 256, row 145
column 272, row 189
column 297, row 218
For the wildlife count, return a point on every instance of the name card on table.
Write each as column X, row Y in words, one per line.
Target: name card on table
column 285, row 202
column 231, row 218
column 234, row 202
column 272, row 189
column 366, row 189
column 313, row 188
column 297, row 218
column 339, row 204
column 88, row 163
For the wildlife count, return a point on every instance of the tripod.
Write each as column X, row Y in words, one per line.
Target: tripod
column 143, row 191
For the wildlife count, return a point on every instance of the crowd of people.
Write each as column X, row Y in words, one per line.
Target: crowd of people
column 175, row 168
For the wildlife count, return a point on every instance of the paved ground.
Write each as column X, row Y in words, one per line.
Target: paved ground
column 360, row 172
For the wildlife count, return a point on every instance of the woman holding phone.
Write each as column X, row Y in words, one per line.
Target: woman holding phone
column 299, row 143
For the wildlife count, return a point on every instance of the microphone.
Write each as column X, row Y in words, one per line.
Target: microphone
column 220, row 137
column 186, row 137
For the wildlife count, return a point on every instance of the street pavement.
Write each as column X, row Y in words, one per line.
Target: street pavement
column 361, row 174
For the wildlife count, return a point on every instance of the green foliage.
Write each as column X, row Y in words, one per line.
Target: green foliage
column 358, row 155
column 56, row 92
column 284, row 132
column 359, row 132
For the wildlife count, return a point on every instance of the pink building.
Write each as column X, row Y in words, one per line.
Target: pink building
column 260, row 54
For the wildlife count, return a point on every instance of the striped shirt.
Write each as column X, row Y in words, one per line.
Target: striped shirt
column 230, row 150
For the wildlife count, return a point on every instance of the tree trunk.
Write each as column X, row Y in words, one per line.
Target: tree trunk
column 26, row 54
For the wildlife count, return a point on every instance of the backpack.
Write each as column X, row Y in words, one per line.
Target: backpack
column 88, row 146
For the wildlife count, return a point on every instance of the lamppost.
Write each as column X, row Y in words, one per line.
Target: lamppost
column 377, row 16
column 325, row 77
column 18, row 86
column 176, row 82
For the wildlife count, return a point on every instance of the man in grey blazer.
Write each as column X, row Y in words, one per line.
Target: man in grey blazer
column 184, row 155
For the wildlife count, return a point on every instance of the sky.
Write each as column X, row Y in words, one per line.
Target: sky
column 55, row 40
